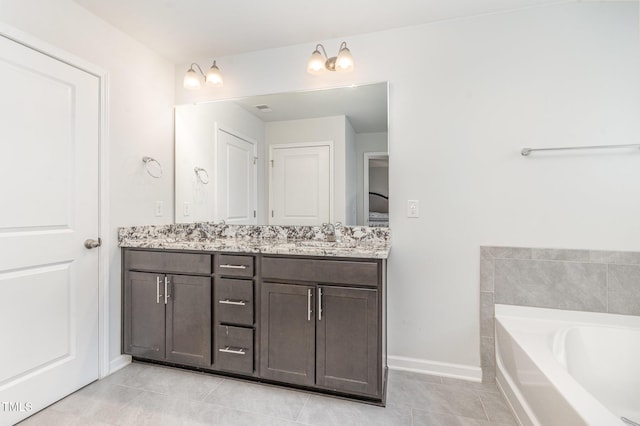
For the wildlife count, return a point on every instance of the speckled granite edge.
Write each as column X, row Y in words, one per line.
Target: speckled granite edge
column 353, row 241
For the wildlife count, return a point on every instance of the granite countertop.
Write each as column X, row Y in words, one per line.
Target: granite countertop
column 357, row 242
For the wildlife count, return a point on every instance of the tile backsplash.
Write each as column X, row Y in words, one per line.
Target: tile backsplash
column 579, row 280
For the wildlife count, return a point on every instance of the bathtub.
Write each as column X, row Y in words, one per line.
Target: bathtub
column 568, row 368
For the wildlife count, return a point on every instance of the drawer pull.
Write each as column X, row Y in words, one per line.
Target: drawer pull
column 233, row 302
column 236, row 351
column 233, row 266
column 158, row 295
column 166, row 290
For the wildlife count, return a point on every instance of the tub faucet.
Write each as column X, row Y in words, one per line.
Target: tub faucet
column 330, row 231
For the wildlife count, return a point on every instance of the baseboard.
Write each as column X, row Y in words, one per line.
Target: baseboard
column 118, row 363
column 423, row 366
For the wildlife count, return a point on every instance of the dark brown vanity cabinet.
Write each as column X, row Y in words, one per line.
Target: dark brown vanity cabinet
column 167, row 316
column 287, row 347
column 234, row 337
column 347, row 355
column 314, row 322
column 327, row 333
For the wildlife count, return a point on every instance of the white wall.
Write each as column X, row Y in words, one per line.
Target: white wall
column 141, row 98
column 321, row 129
column 367, row 142
column 465, row 97
column 195, row 145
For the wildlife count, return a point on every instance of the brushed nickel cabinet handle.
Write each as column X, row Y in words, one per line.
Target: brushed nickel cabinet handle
column 319, row 304
column 235, row 351
column 158, row 295
column 166, row 290
column 232, row 302
column 308, row 304
column 234, row 266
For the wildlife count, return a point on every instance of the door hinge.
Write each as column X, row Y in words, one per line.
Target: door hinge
column 254, row 213
column 271, row 213
column 271, row 163
column 255, row 160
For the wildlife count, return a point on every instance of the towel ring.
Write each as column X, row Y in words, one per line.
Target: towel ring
column 200, row 172
column 148, row 160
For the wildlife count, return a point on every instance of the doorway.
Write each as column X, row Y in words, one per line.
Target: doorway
column 376, row 189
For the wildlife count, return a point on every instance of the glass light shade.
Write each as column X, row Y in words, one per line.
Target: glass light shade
column 344, row 62
column 192, row 80
column 214, row 78
column 316, row 63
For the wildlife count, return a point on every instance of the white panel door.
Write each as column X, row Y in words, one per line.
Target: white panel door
column 300, row 185
column 49, row 136
column 236, row 183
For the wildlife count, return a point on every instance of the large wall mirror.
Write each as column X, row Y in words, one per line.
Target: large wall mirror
column 301, row 158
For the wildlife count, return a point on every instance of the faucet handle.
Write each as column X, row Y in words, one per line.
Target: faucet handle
column 338, row 225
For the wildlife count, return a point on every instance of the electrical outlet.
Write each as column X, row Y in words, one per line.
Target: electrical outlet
column 413, row 208
column 186, row 208
column 159, row 208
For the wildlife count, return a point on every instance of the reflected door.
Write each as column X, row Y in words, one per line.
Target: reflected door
column 300, row 187
column 236, row 166
column 49, row 127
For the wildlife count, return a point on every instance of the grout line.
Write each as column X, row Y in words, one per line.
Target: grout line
column 254, row 413
column 493, row 275
column 456, row 415
column 484, row 409
column 222, row 381
column 302, row 409
column 607, row 289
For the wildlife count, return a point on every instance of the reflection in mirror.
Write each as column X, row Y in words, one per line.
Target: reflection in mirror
column 301, row 158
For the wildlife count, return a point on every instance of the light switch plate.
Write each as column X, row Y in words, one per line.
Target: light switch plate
column 186, row 208
column 413, row 208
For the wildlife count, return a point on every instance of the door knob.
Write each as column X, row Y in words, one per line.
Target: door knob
column 91, row 243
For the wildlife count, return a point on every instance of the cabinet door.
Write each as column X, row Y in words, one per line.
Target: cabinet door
column 189, row 320
column 144, row 326
column 287, row 343
column 347, row 340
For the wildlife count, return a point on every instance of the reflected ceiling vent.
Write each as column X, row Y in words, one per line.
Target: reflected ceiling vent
column 263, row 108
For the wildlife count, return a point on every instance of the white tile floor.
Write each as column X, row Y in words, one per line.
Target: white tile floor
column 143, row 394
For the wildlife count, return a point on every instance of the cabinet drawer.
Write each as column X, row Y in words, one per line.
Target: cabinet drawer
column 234, row 301
column 235, row 349
column 321, row 271
column 234, row 266
column 159, row 261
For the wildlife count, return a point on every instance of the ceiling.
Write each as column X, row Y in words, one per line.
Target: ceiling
column 184, row 30
column 365, row 106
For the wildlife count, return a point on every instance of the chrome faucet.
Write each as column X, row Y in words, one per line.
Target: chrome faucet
column 330, row 231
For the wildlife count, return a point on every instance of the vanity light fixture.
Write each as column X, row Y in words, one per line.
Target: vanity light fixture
column 194, row 81
column 318, row 63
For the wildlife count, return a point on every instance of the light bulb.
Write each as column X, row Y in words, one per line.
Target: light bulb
column 316, row 63
column 192, row 80
column 344, row 61
column 214, row 77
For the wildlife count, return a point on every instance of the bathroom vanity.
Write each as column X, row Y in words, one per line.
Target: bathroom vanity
column 287, row 310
